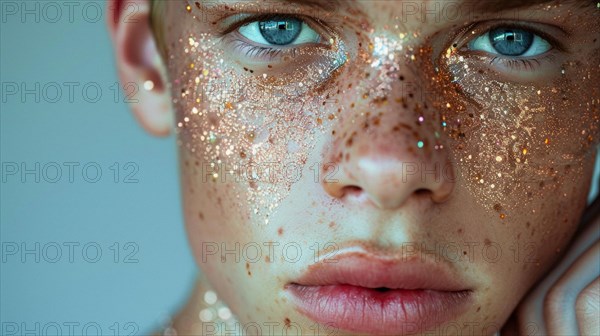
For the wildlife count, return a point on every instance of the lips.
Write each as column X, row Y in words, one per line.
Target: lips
column 366, row 293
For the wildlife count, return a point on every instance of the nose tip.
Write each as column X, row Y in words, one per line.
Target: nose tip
column 388, row 184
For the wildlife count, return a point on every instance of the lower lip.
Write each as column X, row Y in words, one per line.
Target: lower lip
column 366, row 310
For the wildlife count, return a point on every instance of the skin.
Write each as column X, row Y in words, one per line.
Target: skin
column 514, row 181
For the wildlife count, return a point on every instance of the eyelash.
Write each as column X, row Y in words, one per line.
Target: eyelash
column 232, row 36
column 515, row 63
column 271, row 53
column 530, row 64
column 255, row 51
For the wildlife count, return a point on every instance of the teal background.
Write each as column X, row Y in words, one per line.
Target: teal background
column 75, row 47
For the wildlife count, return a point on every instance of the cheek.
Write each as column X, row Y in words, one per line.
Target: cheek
column 245, row 135
column 524, row 146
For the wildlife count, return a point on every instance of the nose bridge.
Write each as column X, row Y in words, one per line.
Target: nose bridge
column 391, row 146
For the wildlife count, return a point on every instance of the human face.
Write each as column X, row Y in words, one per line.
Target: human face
column 444, row 145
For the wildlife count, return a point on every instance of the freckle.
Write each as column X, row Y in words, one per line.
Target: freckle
column 527, row 224
column 267, row 259
column 401, row 77
column 349, row 142
column 487, row 242
column 287, row 322
column 280, row 231
column 332, row 224
column 460, row 231
column 478, row 308
column 319, row 121
column 269, row 66
column 201, row 216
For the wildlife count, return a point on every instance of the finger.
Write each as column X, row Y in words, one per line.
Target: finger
column 559, row 304
column 587, row 309
column 531, row 310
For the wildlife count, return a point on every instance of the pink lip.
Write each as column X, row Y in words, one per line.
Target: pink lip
column 349, row 295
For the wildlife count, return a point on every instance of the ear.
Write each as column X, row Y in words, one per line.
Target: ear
column 140, row 66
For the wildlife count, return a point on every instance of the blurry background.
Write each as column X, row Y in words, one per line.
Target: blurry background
column 91, row 229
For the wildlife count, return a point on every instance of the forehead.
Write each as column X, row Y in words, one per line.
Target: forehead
column 413, row 14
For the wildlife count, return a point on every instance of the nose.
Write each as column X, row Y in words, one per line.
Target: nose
column 391, row 157
column 389, row 180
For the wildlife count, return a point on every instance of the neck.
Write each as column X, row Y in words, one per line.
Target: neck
column 203, row 310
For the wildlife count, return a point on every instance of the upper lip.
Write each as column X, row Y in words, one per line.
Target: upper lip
column 369, row 270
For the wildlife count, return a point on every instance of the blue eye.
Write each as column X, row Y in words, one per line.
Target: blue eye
column 510, row 42
column 279, row 31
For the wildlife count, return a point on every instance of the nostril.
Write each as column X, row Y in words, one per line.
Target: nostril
column 422, row 191
column 352, row 190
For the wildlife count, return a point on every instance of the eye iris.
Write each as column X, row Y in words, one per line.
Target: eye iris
column 280, row 31
column 511, row 42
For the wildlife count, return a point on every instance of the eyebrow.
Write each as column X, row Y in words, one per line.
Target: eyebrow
column 480, row 6
column 319, row 4
column 492, row 6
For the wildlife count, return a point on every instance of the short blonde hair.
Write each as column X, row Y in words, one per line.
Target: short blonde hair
column 156, row 14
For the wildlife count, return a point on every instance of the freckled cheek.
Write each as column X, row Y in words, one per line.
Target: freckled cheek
column 524, row 141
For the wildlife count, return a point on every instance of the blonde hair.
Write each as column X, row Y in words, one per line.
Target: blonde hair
column 156, row 23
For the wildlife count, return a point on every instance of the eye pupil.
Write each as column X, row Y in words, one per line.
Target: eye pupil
column 280, row 31
column 511, row 42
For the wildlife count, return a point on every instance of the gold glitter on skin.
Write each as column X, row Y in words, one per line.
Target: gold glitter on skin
column 424, row 100
column 512, row 123
column 230, row 126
